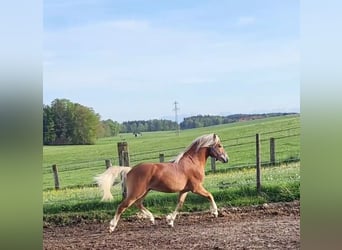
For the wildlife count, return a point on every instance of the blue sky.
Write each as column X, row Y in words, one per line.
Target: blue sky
column 131, row 59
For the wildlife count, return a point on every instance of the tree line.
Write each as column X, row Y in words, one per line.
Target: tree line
column 147, row 126
column 211, row 120
column 65, row 122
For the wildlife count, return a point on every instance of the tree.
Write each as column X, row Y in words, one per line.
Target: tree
column 111, row 128
column 69, row 123
column 62, row 117
column 150, row 125
column 84, row 125
column 49, row 134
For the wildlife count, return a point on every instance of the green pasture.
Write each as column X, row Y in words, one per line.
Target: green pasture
column 78, row 165
column 233, row 184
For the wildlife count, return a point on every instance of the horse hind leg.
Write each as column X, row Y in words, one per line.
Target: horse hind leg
column 146, row 213
column 126, row 203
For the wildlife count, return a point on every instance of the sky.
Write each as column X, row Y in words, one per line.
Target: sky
column 132, row 59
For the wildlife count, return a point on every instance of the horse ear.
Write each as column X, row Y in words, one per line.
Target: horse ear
column 214, row 137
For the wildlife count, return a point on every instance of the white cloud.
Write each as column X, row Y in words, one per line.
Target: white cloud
column 245, row 21
column 133, row 52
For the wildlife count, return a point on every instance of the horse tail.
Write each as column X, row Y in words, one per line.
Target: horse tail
column 106, row 180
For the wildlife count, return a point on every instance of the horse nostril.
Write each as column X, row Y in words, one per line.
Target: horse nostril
column 224, row 158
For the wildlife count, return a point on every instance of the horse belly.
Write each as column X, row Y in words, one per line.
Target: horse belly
column 168, row 183
column 166, row 188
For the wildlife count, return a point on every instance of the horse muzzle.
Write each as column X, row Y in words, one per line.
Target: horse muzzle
column 223, row 158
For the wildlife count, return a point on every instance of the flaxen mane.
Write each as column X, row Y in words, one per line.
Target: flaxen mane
column 200, row 142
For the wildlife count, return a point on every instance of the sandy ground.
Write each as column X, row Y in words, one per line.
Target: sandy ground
column 268, row 226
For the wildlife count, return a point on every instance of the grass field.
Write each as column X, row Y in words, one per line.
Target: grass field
column 230, row 185
column 78, row 165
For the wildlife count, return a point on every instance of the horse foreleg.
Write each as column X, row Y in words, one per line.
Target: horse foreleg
column 200, row 190
column 171, row 217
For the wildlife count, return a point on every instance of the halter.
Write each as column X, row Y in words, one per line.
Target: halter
column 213, row 151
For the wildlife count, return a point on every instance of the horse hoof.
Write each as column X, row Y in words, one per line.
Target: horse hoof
column 169, row 220
column 111, row 226
column 215, row 214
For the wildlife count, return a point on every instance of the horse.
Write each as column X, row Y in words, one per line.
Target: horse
column 106, row 180
column 185, row 174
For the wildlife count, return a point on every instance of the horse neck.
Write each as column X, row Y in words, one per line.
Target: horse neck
column 197, row 158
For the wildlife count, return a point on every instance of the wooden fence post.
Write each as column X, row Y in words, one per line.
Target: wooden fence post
column 161, row 157
column 125, row 158
column 272, row 151
column 123, row 177
column 213, row 164
column 108, row 163
column 123, row 147
column 55, row 176
column 258, row 163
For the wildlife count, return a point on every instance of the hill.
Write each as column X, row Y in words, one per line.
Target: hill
column 199, row 121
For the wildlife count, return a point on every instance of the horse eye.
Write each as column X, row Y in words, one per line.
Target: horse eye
column 220, row 146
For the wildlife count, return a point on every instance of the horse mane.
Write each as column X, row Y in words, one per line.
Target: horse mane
column 200, row 142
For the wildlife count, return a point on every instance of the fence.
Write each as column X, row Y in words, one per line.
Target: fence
column 267, row 149
column 232, row 146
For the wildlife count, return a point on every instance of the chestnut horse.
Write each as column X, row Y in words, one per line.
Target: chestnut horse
column 184, row 174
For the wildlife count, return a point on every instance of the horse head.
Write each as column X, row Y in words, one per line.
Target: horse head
column 217, row 151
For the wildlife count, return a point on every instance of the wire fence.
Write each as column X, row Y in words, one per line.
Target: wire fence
column 241, row 149
column 76, row 178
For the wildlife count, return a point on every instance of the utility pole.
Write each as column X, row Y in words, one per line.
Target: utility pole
column 176, row 115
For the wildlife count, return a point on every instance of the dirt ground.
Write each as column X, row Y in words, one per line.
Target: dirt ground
column 268, row 226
